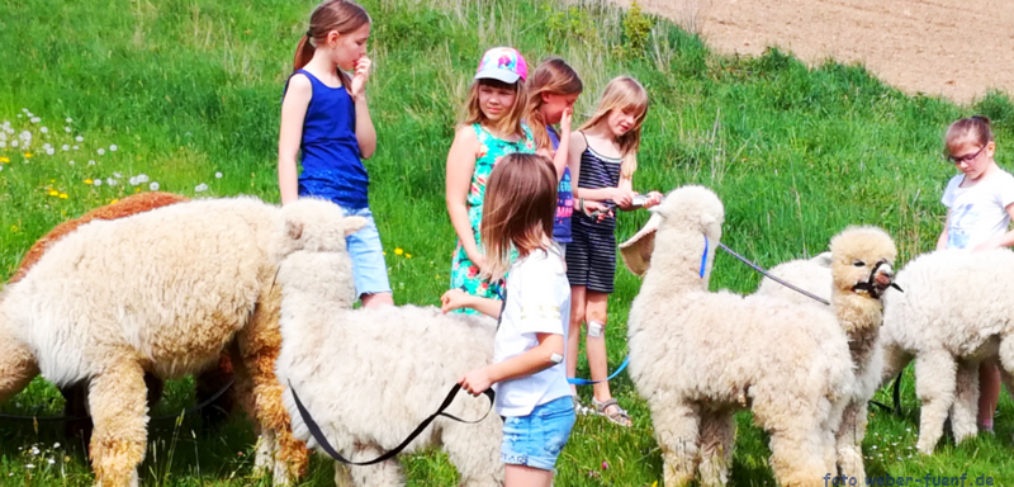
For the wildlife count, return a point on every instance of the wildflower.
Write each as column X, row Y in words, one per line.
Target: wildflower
column 200, row 188
column 153, row 186
column 65, row 147
column 114, row 201
column 71, row 162
column 91, row 162
column 111, row 181
column 112, row 148
column 218, row 175
column 29, row 466
column 35, row 119
column 57, row 444
column 63, row 196
column 408, row 256
column 98, row 182
column 398, row 251
column 50, row 461
column 5, row 159
column 44, row 130
column 101, row 151
column 34, row 451
column 28, row 155
column 66, row 129
column 605, row 465
column 54, row 192
column 88, row 181
column 117, row 175
column 69, row 120
column 79, row 138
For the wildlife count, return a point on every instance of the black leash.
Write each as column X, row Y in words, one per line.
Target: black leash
column 773, row 278
column 164, row 417
column 895, row 396
column 326, row 446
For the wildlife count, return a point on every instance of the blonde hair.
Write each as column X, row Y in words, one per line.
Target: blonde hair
column 519, row 209
column 343, row 16
column 553, row 76
column 510, row 122
column 975, row 128
column 626, row 94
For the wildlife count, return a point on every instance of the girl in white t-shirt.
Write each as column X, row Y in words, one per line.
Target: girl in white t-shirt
column 980, row 206
column 528, row 370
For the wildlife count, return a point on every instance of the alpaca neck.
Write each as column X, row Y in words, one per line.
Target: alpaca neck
column 860, row 316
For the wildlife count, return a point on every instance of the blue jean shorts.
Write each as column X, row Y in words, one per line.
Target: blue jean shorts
column 368, row 267
column 536, row 440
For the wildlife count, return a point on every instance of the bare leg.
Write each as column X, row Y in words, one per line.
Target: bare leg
column 577, row 305
column 523, row 476
column 595, row 343
column 377, row 300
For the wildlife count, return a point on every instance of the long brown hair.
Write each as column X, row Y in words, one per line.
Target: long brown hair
column 975, row 128
column 343, row 16
column 510, row 122
column 626, row 94
column 519, row 209
column 553, row 76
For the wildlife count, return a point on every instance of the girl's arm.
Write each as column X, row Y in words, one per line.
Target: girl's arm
column 562, row 157
column 366, row 135
column 456, row 298
column 531, row 361
column 460, row 166
column 1005, row 240
column 290, row 134
column 942, row 240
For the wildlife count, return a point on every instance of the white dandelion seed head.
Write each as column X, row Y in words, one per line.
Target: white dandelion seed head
column 200, row 188
column 44, row 129
column 34, row 451
column 142, row 178
column 35, row 119
column 76, row 147
column 3, row 144
column 91, row 162
column 98, row 182
column 218, row 175
column 57, row 444
column 1, row 168
column 79, row 138
column 29, row 466
column 14, row 143
column 71, row 162
column 25, row 135
column 112, row 148
column 50, row 461
column 66, row 129
column 50, row 151
column 65, row 147
column 111, row 182
column 117, row 174
column 69, row 120
column 100, row 151
column 153, row 186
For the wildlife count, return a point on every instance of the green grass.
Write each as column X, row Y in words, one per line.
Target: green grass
column 190, row 91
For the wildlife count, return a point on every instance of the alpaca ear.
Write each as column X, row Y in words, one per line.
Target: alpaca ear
column 293, row 229
column 353, row 224
column 636, row 251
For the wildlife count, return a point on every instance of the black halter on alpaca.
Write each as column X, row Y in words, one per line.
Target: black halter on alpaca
column 870, row 286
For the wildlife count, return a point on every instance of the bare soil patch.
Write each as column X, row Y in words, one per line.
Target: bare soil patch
column 955, row 49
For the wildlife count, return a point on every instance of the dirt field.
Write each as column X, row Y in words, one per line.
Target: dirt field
column 958, row 49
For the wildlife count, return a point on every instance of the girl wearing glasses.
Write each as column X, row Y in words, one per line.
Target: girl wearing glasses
column 980, row 206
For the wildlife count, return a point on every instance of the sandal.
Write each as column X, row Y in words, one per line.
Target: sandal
column 618, row 416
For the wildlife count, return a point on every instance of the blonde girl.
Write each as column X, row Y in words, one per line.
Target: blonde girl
column 326, row 125
column 552, row 90
column 602, row 159
column 532, row 394
column 491, row 129
column 980, row 206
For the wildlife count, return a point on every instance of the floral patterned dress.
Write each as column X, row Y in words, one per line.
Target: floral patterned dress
column 464, row 273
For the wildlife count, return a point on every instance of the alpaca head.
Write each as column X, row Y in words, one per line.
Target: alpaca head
column 862, row 261
column 689, row 220
column 314, row 225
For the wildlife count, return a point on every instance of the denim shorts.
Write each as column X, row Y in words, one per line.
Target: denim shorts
column 368, row 267
column 536, row 440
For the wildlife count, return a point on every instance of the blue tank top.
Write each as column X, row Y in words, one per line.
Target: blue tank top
column 564, row 197
column 331, row 162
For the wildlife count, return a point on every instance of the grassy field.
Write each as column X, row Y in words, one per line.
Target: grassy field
column 103, row 100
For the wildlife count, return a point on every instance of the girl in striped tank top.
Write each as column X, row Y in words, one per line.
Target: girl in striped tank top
column 602, row 159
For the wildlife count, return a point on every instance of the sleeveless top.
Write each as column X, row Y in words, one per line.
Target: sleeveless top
column 491, row 149
column 331, row 162
column 564, row 197
column 597, row 171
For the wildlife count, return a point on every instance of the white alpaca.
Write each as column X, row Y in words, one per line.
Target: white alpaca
column 162, row 292
column 369, row 376
column 697, row 357
column 812, row 275
column 956, row 311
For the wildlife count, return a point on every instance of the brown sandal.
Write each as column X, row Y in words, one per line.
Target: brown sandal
column 618, row 416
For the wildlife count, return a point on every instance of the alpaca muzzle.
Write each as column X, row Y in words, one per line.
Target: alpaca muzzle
column 879, row 280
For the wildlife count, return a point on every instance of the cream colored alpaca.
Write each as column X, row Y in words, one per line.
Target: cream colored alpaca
column 369, row 376
column 698, row 356
column 956, row 310
column 161, row 292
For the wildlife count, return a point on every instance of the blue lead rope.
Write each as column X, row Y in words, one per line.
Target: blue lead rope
column 584, row 382
column 704, row 256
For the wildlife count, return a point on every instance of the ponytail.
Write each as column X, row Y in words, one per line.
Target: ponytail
column 304, row 52
column 343, row 16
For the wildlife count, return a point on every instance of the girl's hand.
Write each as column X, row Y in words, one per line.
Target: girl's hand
column 565, row 120
column 654, row 198
column 454, row 299
column 475, row 381
column 361, row 76
column 478, row 259
column 622, row 198
column 596, row 209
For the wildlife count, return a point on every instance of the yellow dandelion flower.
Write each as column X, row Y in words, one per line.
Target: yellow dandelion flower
column 54, row 192
column 14, row 228
column 114, row 201
column 5, row 159
column 137, row 190
column 63, row 196
column 28, row 155
column 398, row 251
column 89, row 181
column 408, row 256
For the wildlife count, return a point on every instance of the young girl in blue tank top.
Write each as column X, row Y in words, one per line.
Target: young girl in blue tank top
column 492, row 128
column 552, row 90
column 325, row 118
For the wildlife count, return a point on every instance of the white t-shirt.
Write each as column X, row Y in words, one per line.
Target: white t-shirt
column 538, row 301
column 978, row 212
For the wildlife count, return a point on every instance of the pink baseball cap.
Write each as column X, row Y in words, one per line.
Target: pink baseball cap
column 502, row 64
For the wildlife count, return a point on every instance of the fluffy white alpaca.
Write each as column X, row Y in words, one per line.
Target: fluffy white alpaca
column 956, row 310
column 812, row 275
column 369, row 376
column 697, row 357
column 160, row 292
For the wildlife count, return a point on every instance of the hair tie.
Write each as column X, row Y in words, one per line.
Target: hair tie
column 309, row 35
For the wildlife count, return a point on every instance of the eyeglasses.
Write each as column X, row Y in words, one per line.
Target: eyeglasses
column 964, row 158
